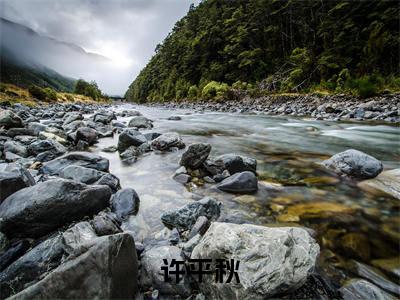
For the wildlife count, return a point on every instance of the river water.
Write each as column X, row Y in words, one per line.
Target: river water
column 288, row 152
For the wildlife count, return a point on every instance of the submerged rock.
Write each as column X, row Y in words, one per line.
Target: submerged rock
column 42, row 208
column 185, row 217
column 244, row 182
column 355, row 164
column 359, row 289
column 272, row 260
column 386, row 183
column 108, row 270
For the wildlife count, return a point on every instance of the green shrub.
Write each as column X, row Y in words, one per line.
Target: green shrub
column 364, row 87
column 37, row 92
column 50, row 94
column 193, row 92
column 85, row 88
column 69, row 97
column 215, row 90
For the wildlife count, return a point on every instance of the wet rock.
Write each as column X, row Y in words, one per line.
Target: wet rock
column 235, row 163
column 109, row 180
column 200, row 227
column 81, row 174
column 195, row 155
column 272, row 260
column 86, row 134
column 182, row 178
column 53, row 136
column 130, row 154
column 152, row 135
column 355, row 164
column 125, row 202
column 358, row 289
column 315, row 210
column 373, row 275
column 389, row 265
column 4, row 242
column 355, row 245
column 78, row 238
column 110, row 149
column 152, row 276
column 185, row 217
column 104, row 117
column 244, row 182
column 13, row 177
column 42, row 208
column 27, row 269
column 174, row 118
column 386, row 183
column 190, row 244
column 13, row 252
column 41, row 146
column 130, row 137
column 83, row 159
column 13, row 132
column 9, row 120
column 111, row 261
column 71, row 117
column 106, row 223
column 140, row 122
column 168, row 140
column 16, row 148
column 36, row 127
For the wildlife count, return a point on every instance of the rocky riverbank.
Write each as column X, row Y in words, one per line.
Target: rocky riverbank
column 66, row 221
column 333, row 107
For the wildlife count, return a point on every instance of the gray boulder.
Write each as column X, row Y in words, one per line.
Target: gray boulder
column 13, row 177
column 130, row 137
column 78, row 238
column 108, row 270
column 16, row 148
column 185, row 217
column 9, row 120
column 235, row 163
column 106, row 223
column 244, row 182
column 125, row 202
column 358, row 289
column 50, row 145
column 152, row 276
column 81, row 174
column 104, row 117
column 168, row 140
column 83, row 159
column 355, row 164
column 86, row 134
column 42, row 208
column 140, row 122
column 110, row 180
column 71, row 117
column 273, row 260
column 195, row 155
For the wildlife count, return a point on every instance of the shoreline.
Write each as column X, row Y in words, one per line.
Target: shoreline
column 383, row 109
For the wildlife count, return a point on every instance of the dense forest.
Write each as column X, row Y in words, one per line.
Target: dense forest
column 268, row 46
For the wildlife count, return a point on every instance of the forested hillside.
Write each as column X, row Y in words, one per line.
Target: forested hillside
column 274, row 46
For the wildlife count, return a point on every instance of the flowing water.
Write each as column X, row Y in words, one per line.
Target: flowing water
column 288, row 152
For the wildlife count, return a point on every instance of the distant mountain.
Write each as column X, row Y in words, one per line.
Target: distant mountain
column 30, row 58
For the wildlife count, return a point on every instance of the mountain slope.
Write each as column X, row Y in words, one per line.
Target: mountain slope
column 294, row 44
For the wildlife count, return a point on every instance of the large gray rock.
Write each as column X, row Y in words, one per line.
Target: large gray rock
column 16, row 148
column 83, row 159
column 81, row 174
column 78, row 238
column 244, row 182
column 42, row 208
column 168, row 140
column 185, row 217
column 360, row 289
column 140, row 122
column 235, row 163
column 104, row 117
column 40, row 146
column 273, row 260
column 125, row 202
column 152, row 275
column 9, row 120
column 27, row 269
column 106, row 223
column 13, row 177
column 86, row 134
column 355, row 164
column 195, row 155
column 387, row 183
column 130, row 137
column 108, row 270
column 72, row 117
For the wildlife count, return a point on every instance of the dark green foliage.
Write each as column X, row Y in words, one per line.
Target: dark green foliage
column 290, row 45
column 44, row 94
column 85, row 88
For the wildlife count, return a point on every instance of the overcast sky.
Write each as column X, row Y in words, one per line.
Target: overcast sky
column 126, row 31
